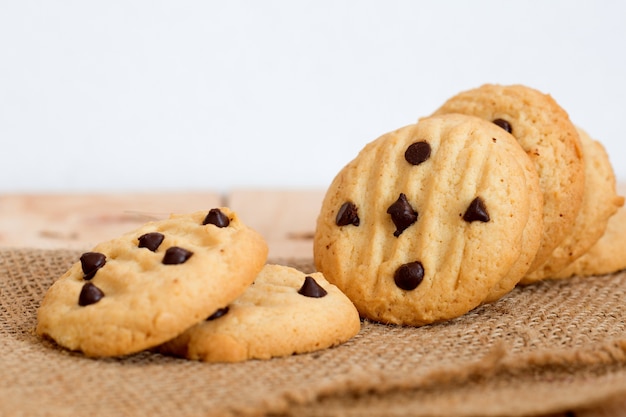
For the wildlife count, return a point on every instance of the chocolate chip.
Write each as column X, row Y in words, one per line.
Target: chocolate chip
column 90, row 294
column 347, row 214
column 311, row 288
column 176, row 255
column 417, row 153
column 402, row 214
column 91, row 262
column 151, row 241
column 477, row 211
column 504, row 125
column 217, row 218
column 409, row 276
column 218, row 313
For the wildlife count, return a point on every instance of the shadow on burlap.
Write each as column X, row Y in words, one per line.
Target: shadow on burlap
column 545, row 348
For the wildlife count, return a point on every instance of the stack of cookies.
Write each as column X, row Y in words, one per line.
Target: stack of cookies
column 496, row 188
column 196, row 286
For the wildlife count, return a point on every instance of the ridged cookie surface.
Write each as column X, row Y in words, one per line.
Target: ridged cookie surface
column 546, row 133
column 431, row 220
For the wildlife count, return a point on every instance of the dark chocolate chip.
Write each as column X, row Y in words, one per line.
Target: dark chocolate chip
column 477, row 211
column 311, row 288
column 402, row 214
column 90, row 294
column 217, row 218
column 409, row 276
column 218, row 313
column 347, row 214
column 504, row 125
column 151, row 241
column 91, row 262
column 176, row 255
column 417, row 153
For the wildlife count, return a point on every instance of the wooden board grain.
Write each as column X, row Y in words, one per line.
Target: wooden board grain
column 79, row 221
column 285, row 218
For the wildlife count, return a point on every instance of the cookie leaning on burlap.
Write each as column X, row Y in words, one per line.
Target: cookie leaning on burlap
column 149, row 285
column 431, row 220
column 607, row 255
column 546, row 133
column 282, row 313
column 600, row 202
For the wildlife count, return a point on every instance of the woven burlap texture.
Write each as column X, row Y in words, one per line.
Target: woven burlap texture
column 548, row 347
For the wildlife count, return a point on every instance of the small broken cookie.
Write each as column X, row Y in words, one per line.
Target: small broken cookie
column 149, row 285
column 284, row 312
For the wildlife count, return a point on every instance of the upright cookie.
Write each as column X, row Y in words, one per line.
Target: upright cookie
column 149, row 285
column 600, row 202
column 607, row 255
column 546, row 133
column 431, row 220
column 284, row 312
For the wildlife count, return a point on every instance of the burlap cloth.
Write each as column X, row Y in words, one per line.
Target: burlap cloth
column 546, row 348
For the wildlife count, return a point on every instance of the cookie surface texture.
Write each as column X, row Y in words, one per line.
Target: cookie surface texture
column 431, row 220
column 608, row 254
column 600, row 202
column 149, row 285
column 546, row 133
column 284, row 312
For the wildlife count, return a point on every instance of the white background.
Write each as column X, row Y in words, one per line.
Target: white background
column 213, row 95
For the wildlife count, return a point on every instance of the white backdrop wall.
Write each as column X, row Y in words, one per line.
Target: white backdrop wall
column 146, row 95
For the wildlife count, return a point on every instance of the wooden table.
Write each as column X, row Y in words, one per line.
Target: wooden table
column 286, row 218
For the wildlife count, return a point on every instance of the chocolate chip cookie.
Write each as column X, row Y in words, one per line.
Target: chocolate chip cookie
column 546, row 133
column 430, row 221
column 284, row 312
column 149, row 285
